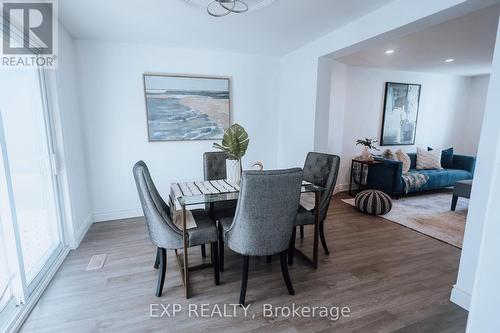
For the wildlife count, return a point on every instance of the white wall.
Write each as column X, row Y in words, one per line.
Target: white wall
column 480, row 244
column 443, row 112
column 72, row 162
column 299, row 69
column 476, row 106
column 485, row 307
column 114, row 117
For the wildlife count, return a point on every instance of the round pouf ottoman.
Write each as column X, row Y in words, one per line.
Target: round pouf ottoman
column 373, row 202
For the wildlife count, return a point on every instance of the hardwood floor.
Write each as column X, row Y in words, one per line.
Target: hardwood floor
column 393, row 279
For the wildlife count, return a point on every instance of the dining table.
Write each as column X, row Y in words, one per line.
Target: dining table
column 193, row 194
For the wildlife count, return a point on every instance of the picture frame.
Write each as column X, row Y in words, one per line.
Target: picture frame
column 400, row 114
column 186, row 107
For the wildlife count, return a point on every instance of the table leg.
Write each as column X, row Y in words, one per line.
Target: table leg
column 316, row 230
column 361, row 177
column 350, row 179
column 185, row 253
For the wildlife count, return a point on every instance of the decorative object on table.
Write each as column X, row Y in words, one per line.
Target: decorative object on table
column 399, row 122
column 446, row 157
column 462, row 189
column 373, row 202
column 359, row 173
column 367, row 145
column 428, row 160
column 234, row 144
column 388, row 154
column 259, row 166
column 436, row 220
column 404, row 158
column 186, row 107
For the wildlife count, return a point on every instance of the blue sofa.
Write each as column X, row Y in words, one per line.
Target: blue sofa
column 387, row 176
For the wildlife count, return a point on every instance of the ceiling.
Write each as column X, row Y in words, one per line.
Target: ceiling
column 469, row 40
column 276, row 29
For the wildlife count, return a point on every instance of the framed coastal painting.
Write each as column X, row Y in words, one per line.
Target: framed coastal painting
column 186, row 107
column 399, row 121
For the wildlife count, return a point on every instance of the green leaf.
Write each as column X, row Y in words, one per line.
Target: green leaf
column 234, row 143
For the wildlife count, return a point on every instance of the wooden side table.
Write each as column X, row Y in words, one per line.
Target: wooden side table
column 361, row 187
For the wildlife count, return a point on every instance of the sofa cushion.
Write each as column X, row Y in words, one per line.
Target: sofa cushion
column 405, row 159
column 413, row 159
column 446, row 157
column 428, row 159
column 388, row 154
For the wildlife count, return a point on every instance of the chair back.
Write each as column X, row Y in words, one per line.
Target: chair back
column 322, row 170
column 162, row 231
column 214, row 165
column 266, row 212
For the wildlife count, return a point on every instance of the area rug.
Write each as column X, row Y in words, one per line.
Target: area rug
column 430, row 214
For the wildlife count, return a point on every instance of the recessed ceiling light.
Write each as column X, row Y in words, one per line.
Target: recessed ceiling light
column 449, row 60
column 391, row 51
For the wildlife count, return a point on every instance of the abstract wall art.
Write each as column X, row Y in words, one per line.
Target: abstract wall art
column 186, row 107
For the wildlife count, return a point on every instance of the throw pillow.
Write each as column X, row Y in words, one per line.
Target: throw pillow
column 389, row 155
column 428, row 159
column 446, row 158
column 405, row 159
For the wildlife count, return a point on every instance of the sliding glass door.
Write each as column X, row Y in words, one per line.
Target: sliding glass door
column 29, row 207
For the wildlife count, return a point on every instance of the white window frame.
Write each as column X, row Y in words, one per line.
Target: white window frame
column 24, row 295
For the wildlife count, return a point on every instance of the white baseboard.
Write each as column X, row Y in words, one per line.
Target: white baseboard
column 117, row 215
column 25, row 310
column 81, row 232
column 460, row 297
column 137, row 212
column 341, row 188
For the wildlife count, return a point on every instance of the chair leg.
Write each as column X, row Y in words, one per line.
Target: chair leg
column 301, row 232
column 203, row 251
column 454, row 201
column 291, row 248
column 215, row 261
column 284, row 272
column 322, row 237
column 162, row 271
column 269, row 259
column 244, row 280
column 157, row 260
column 221, row 247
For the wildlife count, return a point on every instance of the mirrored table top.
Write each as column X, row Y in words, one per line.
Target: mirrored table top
column 218, row 197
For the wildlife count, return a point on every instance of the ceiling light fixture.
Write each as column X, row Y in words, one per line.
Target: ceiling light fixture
column 220, row 8
column 389, row 51
column 449, row 60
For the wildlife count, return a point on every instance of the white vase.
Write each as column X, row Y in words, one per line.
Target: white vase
column 233, row 169
column 365, row 154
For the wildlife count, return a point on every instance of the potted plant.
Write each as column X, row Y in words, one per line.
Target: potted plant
column 367, row 145
column 234, row 144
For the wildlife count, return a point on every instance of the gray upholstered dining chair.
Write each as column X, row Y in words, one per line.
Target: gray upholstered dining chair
column 264, row 220
column 322, row 170
column 214, row 168
column 164, row 233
